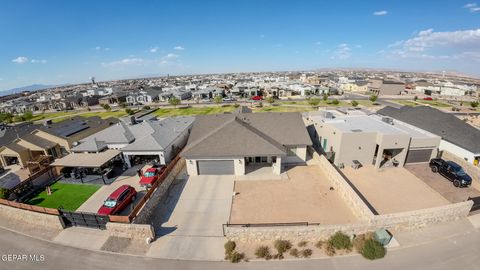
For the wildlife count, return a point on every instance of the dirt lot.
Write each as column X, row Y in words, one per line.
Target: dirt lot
column 441, row 184
column 394, row 190
column 305, row 197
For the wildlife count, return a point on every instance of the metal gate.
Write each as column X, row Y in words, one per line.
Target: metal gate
column 476, row 203
column 83, row 219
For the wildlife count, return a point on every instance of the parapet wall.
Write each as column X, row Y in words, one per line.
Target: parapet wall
column 30, row 218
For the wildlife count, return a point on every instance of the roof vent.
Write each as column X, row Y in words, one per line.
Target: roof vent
column 387, row 120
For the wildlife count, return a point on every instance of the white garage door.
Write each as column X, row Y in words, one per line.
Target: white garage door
column 215, row 167
column 419, row 155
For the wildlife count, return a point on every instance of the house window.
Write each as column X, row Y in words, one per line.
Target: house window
column 291, row 151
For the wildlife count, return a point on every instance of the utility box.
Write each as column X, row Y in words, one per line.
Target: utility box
column 382, row 236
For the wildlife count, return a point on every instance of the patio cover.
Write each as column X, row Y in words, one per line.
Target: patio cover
column 92, row 160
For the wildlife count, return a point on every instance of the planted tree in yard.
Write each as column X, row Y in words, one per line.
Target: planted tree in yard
column 335, row 102
column 474, row 104
column 146, row 107
column 129, row 111
column 314, row 102
column 27, row 115
column 354, row 103
column 106, row 107
column 218, row 99
column 373, row 98
column 270, row 100
column 325, row 97
column 174, row 101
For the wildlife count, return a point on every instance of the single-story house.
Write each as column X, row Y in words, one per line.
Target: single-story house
column 141, row 141
column 228, row 144
column 370, row 139
column 458, row 137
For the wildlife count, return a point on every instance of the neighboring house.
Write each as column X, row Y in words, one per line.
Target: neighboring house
column 370, row 139
column 458, row 137
column 53, row 140
column 233, row 144
column 117, row 97
column 179, row 93
column 385, row 87
column 143, row 96
column 146, row 141
column 357, row 86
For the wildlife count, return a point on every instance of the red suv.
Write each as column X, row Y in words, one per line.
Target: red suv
column 150, row 176
column 427, row 98
column 257, row 98
column 118, row 200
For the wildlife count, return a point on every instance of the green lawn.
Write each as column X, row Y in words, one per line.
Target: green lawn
column 366, row 103
column 283, row 109
column 407, row 103
column 69, row 196
column 434, row 103
column 193, row 110
column 101, row 114
column 41, row 116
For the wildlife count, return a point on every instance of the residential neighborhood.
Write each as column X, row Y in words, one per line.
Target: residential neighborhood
column 239, row 135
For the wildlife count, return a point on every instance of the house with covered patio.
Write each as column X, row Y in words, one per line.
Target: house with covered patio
column 235, row 144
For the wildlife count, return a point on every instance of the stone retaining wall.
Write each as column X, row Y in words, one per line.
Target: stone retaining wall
column 397, row 221
column 145, row 214
column 30, row 218
column 143, row 232
column 348, row 194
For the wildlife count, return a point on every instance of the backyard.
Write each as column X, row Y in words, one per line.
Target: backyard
column 68, row 196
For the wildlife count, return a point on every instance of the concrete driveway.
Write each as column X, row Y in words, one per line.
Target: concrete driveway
column 129, row 177
column 189, row 220
column 441, row 184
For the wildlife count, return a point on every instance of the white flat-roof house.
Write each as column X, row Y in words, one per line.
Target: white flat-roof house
column 370, row 139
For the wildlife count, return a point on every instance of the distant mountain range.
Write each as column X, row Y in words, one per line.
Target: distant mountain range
column 28, row 88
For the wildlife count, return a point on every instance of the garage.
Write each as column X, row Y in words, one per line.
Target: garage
column 215, row 167
column 418, row 155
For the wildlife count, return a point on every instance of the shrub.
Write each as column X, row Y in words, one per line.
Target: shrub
column 229, row 247
column 329, row 249
column 340, row 241
column 236, row 105
column 146, row 107
column 359, row 241
column 268, row 257
column 373, row 98
column 325, row 97
column 129, row 111
column 270, row 100
column 474, row 104
column 314, row 101
column 354, row 103
column 335, row 102
column 372, row 250
column 294, row 253
column 415, row 98
column 236, row 257
column 319, row 244
column 106, row 107
column 282, row 246
column 306, row 253
column 302, row 243
column 4, row 193
column 262, row 252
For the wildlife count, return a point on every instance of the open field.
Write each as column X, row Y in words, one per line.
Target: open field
column 167, row 112
column 68, row 196
column 406, row 103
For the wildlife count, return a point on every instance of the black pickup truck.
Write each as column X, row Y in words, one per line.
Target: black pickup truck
column 452, row 171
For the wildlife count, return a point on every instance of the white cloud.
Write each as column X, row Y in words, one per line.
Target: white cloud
column 342, row 52
column 124, row 62
column 318, row 43
column 169, row 58
column 472, row 7
column 179, row 48
column 107, row 49
column 98, row 48
column 20, row 60
column 428, row 44
column 262, row 36
column 380, row 13
column 154, row 49
column 36, row 61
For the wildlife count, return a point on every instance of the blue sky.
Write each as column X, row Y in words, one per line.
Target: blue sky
column 53, row 42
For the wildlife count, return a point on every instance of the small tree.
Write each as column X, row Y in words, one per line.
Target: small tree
column 354, row 103
column 335, row 102
column 174, row 101
column 474, row 104
column 123, row 105
column 314, row 102
column 373, row 98
column 106, row 107
column 129, row 111
column 27, row 115
column 217, row 99
column 270, row 100
column 146, row 107
column 325, row 97
column 415, row 98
